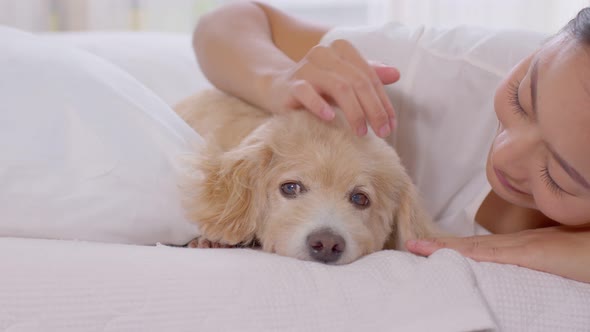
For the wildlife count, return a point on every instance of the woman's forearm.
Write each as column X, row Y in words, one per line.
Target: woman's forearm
column 236, row 47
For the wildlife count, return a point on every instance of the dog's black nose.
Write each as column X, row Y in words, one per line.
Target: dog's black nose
column 325, row 246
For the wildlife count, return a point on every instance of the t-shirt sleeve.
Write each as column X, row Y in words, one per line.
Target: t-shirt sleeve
column 392, row 43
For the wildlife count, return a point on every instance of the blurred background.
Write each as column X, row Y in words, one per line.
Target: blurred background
column 180, row 15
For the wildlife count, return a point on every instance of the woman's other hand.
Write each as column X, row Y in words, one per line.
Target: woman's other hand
column 563, row 251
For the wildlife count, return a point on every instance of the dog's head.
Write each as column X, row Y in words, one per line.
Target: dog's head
column 307, row 189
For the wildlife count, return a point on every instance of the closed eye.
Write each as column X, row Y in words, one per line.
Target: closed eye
column 550, row 183
column 514, row 100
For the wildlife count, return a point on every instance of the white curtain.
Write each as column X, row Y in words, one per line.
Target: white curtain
column 162, row 15
column 539, row 15
column 181, row 15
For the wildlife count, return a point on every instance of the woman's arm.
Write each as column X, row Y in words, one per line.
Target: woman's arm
column 272, row 60
column 235, row 47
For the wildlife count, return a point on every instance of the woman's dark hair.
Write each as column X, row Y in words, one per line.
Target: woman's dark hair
column 579, row 26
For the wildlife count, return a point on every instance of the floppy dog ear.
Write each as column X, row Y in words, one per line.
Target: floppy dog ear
column 223, row 201
column 411, row 221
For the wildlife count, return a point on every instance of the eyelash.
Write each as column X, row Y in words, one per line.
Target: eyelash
column 513, row 98
column 551, row 184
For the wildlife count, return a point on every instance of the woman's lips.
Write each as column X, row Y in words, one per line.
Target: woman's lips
column 505, row 182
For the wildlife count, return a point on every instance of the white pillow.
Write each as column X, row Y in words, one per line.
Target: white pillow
column 163, row 62
column 86, row 151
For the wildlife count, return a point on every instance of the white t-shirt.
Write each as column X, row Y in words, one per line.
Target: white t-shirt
column 444, row 106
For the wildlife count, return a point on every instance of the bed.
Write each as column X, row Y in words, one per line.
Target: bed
column 89, row 247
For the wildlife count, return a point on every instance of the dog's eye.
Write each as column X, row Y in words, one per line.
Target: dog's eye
column 360, row 200
column 291, row 189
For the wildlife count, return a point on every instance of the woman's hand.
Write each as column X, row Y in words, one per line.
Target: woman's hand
column 337, row 74
column 563, row 251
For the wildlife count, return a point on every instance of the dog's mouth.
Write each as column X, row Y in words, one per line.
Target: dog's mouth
column 308, row 256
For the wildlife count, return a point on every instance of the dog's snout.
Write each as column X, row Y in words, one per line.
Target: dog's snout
column 325, row 246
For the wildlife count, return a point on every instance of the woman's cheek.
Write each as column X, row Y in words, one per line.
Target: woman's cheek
column 500, row 149
column 562, row 208
column 545, row 201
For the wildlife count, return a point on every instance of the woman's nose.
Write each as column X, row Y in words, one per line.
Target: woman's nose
column 516, row 149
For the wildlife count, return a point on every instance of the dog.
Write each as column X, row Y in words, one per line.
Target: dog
column 299, row 186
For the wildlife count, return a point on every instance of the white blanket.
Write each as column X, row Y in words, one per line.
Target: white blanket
column 79, row 286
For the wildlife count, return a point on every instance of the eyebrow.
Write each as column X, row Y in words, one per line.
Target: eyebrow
column 575, row 175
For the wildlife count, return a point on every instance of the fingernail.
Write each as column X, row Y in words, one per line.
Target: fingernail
column 327, row 113
column 385, row 130
column 362, row 130
column 379, row 63
column 392, row 123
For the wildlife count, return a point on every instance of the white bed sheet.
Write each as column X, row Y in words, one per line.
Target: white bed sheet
column 51, row 285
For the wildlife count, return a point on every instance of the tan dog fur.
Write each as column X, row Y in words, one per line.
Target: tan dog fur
column 233, row 187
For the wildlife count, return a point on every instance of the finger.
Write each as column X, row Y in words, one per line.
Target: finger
column 422, row 247
column 304, row 94
column 361, row 82
column 463, row 244
column 520, row 255
column 476, row 252
column 355, row 85
column 345, row 97
column 482, row 251
column 308, row 93
column 368, row 99
column 372, row 105
column 386, row 74
column 352, row 56
column 340, row 92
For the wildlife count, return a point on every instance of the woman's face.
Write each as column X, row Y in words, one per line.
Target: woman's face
column 540, row 157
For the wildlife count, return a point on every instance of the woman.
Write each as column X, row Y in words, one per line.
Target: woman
column 538, row 165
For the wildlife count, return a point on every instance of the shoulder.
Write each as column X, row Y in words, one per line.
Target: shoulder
column 396, row 44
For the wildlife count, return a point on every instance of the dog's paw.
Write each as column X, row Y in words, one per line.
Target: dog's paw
column 201, row 242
